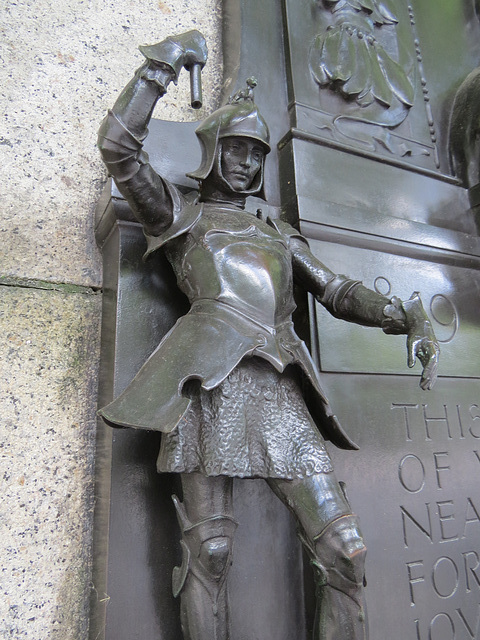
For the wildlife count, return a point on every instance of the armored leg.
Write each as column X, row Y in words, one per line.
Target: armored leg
column 338, row 558
column 331, row 536
column 205, row 517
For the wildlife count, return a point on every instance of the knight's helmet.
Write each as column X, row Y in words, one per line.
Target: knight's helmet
column 240, row 117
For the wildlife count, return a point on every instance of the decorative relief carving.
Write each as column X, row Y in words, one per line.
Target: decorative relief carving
column 367, row 62
column 349, row 59
column 370, row 137
column 426, row 98
column 464, row 134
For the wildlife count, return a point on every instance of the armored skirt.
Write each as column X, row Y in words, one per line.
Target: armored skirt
column 255, row 424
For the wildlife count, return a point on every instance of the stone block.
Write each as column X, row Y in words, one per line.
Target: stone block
column 48, row 370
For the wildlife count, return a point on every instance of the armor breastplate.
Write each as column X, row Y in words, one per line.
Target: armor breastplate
column 232, row 257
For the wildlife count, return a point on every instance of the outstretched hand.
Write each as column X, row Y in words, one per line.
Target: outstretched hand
column 421, row 341
column 427, row 351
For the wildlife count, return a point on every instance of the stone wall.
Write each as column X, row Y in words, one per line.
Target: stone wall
column 63, row 65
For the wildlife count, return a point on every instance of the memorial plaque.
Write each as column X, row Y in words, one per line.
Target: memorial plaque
column 415, row 484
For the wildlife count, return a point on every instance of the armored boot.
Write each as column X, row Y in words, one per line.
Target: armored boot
column 338, row 557
column 201, row 579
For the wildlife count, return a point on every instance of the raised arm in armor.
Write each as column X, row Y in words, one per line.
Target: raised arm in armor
column 121, row 134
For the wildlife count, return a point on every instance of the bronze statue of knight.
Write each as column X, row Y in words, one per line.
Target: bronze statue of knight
column 240, row 411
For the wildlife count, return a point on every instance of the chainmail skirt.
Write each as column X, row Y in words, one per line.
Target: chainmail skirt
column 255, row 424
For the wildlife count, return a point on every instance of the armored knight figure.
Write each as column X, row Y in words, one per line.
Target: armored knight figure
column 224, row 384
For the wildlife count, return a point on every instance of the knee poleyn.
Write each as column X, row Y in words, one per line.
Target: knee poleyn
column 214, row 556
column 207, row 548
column 340, row 554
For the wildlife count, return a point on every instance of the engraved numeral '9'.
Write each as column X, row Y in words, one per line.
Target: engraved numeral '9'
column 445, row 315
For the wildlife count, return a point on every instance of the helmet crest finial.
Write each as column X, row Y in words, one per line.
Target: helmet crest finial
column 244, row 95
